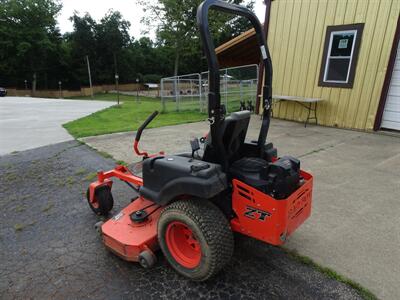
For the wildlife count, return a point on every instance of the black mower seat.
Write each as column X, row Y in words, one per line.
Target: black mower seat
column 233, row 133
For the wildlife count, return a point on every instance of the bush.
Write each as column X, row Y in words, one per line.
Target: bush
column 152, row 78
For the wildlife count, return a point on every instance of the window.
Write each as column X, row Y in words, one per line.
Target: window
column 342, row 44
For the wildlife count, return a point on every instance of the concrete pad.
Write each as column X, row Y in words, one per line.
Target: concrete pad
column 27, row 123
column 290, row 138
column 355, row 224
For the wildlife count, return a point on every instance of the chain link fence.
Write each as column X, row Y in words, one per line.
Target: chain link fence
column 238, row 87
column 179, row 93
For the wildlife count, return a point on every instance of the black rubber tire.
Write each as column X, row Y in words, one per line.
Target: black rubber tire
column 212, row 230
column 147, row 259
column 104, row 198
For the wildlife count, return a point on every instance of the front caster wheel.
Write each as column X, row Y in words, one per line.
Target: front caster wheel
column 195, row 238
column 147, row 259
column 103, row 200
column 97, row 227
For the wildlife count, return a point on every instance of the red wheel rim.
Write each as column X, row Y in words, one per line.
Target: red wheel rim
column 183, row 245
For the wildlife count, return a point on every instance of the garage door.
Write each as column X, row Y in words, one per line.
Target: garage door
column 391, row 114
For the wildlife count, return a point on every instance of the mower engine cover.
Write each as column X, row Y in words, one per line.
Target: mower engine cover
column 283, row 177
column 167, row 177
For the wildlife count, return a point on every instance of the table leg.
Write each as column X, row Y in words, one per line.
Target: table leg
column 308, row 115
column 315, row 113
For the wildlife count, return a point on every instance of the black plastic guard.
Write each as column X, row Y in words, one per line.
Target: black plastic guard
column 166, row 178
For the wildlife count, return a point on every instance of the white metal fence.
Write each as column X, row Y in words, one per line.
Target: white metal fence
column 238, row 86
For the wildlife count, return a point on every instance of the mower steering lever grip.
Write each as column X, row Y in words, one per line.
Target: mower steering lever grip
column 144, row 125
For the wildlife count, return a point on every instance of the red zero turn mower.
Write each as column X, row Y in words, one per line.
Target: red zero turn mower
column 189, row 205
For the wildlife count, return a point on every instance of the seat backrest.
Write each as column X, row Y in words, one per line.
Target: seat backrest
column 233, row 133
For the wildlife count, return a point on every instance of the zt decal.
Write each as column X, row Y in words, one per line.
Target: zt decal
column 254, row 213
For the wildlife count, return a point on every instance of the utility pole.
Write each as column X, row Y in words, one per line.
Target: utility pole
column 34, row 84
column 90, row 75
column 116, row 76
column 26, row 87
column 116, row 87
column 137, row 90
column 59, row 87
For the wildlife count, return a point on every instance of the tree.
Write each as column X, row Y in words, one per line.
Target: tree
column 232, row 27
column 84, row 35
column 112, row 35
column 103, row 42
column 177, row 29
column 81, row 42
column 29, row 39
column 31, row 46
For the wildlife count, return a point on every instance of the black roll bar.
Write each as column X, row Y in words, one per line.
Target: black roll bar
column 215, row 112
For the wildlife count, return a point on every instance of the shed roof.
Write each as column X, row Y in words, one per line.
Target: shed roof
column 239, row 51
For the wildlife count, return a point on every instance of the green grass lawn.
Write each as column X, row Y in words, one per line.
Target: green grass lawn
column 128, row 116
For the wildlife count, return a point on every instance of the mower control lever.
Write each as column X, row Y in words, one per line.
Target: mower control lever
column 139, row 134
column 144, row 125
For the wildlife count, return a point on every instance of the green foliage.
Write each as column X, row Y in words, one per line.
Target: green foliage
column 112, row 37
column 19, row 227
column 29, row 40
column 31, row 45
column 121, row 163
column 78, row 44
column 48, row 207
column 152, row 78
column 90, row 176
column 177, row 27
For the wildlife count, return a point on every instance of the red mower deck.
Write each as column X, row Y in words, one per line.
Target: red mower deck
column 128, row 239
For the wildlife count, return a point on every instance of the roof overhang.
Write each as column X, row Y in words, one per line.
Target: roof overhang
column 239, row 51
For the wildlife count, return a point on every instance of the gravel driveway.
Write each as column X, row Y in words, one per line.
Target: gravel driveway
column 49, row 248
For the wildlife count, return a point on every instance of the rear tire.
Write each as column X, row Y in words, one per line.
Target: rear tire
column 195, row 237
column 104, row 200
